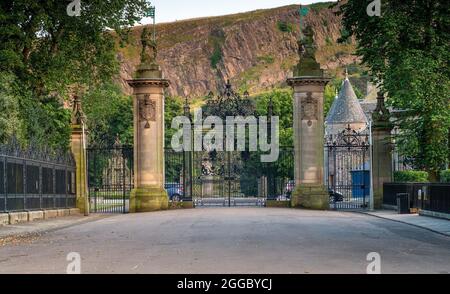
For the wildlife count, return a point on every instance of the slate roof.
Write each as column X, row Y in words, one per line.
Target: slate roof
column 346, row 108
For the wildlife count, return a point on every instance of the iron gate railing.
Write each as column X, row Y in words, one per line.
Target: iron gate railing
column 211, row 179
column 239, row 178
column 110, row 179
column 347, row 169
column 33, row 178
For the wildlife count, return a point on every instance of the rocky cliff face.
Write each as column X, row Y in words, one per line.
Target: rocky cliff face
column 255, row 50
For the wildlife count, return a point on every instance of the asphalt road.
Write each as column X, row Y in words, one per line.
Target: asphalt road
column 232, row 240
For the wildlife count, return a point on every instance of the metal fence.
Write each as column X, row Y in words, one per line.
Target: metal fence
column 426, row 196
column 177, row 175
column 110, row 179
column 280, row 175
column 347, row 169
column 35, row 179
column 228, row 178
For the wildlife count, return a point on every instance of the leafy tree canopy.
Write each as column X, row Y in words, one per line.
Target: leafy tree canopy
column 109, row 116
column 49, row 53
column 407, row 51
column 282, row 107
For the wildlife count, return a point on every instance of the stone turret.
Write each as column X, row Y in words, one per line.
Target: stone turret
column 346, row 111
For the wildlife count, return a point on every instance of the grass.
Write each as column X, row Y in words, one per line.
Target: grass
column 216, row 57
column 267, row 59
column 285, row 27
column 320, row 5
column 216, row 41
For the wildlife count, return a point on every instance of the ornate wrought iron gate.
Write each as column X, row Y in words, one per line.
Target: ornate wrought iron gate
column 348, row 170
column 228, row 178
column 110, row 179
column 223, row 179
column 239, row 178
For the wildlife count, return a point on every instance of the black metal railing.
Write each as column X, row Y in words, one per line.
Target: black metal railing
column 35, row 178
column 427, row 196
column 228, row 178
column 177, row 175
column 347, row 169
column 280, row 175
column 110, row 178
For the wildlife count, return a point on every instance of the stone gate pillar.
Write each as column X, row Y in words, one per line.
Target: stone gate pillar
column 310, row 191
column 148, row 109
column 77, row 146
column 382, row 150
column 309, row 85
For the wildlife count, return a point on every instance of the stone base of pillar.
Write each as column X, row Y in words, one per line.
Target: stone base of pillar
column 310, row 196
column 81, row 204
column 377, row 198
column 147, row 199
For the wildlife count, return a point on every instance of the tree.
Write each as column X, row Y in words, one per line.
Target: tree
column 282, row 107
column 173, row 107
column 9, row 107
column 49, row 52
column 407, row 53
column 109, row 116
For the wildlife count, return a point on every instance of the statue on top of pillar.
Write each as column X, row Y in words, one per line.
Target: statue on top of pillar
column 307, row 65
column 149, row 47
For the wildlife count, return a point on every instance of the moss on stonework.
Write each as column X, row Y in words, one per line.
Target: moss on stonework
column 148, row 199
column 308, row 67
column 310, row 197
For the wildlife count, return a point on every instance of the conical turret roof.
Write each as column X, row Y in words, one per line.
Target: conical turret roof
column 346, row 108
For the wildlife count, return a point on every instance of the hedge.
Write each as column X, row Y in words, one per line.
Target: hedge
column 410, row 176
column 445, row 176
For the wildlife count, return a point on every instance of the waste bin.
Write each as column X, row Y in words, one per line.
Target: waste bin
column 402, row 203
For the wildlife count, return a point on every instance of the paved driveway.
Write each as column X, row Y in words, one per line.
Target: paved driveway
column 233, row 240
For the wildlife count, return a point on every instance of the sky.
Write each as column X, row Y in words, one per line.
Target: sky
column 172, row 10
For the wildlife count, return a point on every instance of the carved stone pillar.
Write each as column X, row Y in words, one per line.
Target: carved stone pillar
column 77, row 146
column 310, row 191
column 382, row 150
column 148, row 110
column 309, row 85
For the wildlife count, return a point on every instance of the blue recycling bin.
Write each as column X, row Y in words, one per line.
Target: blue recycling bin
column 360, row 183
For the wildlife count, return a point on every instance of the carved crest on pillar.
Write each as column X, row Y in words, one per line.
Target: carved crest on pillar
column 147, row 110
column 309, row 108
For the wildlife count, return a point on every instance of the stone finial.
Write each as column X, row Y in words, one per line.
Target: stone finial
column 381, row 114
column 78, row 116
